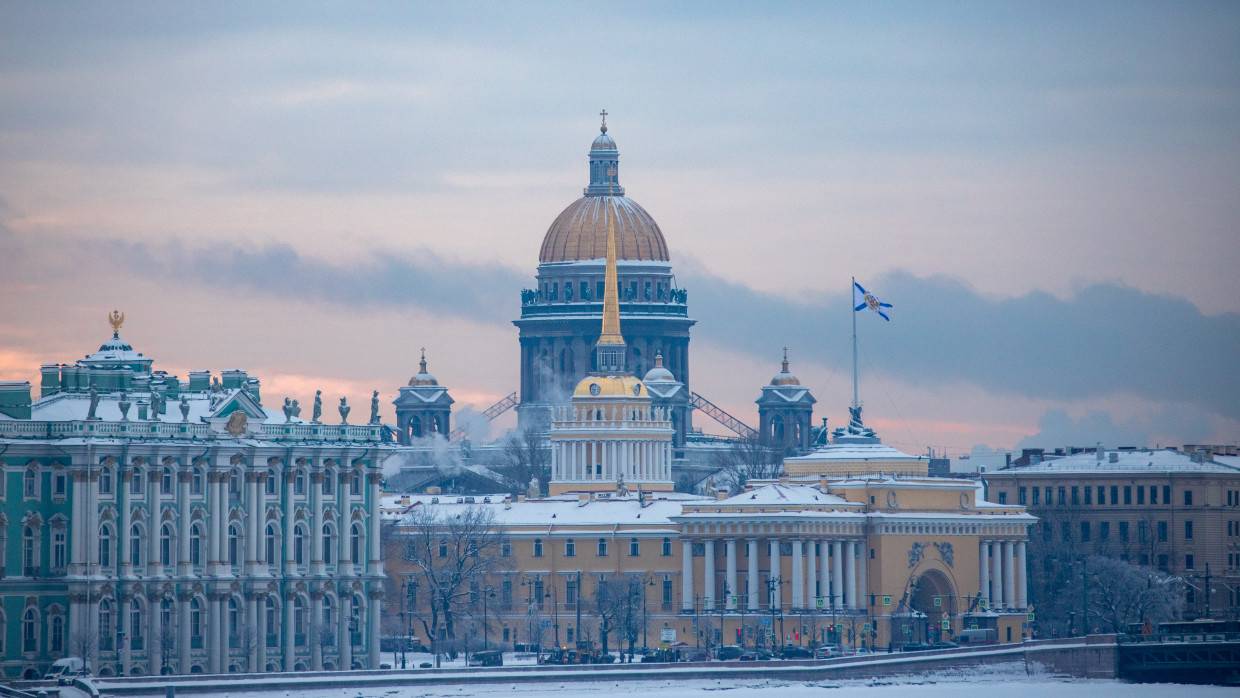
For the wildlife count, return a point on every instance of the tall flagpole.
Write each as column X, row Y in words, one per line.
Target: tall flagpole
column 852, row 291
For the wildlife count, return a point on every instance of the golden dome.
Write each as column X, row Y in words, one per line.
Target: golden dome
column 610, row 386
column 785, row 377
column 580, row 232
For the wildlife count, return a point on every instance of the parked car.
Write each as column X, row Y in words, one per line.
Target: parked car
column 915, row 647
column 729, row 652
column 755, row 656
column 795, row 652
column 487, row 658
column 64, row 671
column 977, row 636
column 943, row 645
column 825, row 652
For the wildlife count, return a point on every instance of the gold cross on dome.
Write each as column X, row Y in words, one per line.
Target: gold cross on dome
column 604, row 115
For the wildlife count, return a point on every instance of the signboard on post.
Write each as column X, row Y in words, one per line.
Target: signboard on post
column 886, row 600
column 946, row 624
column 667, row 635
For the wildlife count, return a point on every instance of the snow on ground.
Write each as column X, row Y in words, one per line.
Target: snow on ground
column 987, row 681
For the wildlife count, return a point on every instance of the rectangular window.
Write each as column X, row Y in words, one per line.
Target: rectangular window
column 1162, row 531
column 1065, row 532
column 570, row 548
column 602, row 547
column 1188, row 530
column 570, row 591
column 1127, row 494
column 538, row 547
column 1123, row 531
column 1003, row 497
column 667, row 547
column 1104, row 530
column 667, row 593
column 1102, row 495
column 1188, row 498
column 1143, row 532
column 1166, row 494
column 1036, row 492
column 1140, row 495
column 58, row 484
column 1085, row 532
column 1049, row 500
column 1153, row 494
column 1089, row 495
column 635, row 548
column 1020, row 496
column 1188, row 562
column 1114, row 495
column 505, row 593
column 505, row 548
column 1076, row 495
column 1063, row 495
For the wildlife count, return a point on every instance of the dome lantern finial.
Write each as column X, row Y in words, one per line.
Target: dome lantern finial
column 785, row 369
column 422, row 363
column 604, row 164
column 603, row 128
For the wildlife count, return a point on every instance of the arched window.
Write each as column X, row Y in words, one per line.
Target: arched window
column 299, row 482
column 135, row 482
column 234, row 483
column 329, row 482
column 57, row 639
column 195, row 620
column 105, row 545
column 273, row 623
column 136, row 625
column 299, row 545
column 234, row 538
column 355, row 483
column 165, row 544
column 30, row 483
column 355, row 619
column 135, row 545
column 355, row 543
column 196, row 483
column 30, row 564
column 165, row 615
column 195, row 545
column 269, row 486
column 299, row 620
column 105, row 481
column 327, row 543
column 30, row 631
column 234, row 623
column 165, row 481
column 271, row 544
column 105, row 624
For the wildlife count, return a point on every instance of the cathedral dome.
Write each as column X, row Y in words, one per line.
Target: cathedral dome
column 659, row 374
column 785, row 377
column 423, row 377
column 610, row 386
column 580, row 231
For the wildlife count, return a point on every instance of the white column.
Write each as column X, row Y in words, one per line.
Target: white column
column 290, row 633
column 92, row 517
column 315, row 639
column 183, row 639
column 824, row 563
column 154, row 476
column 372, row 610
column 837, row 574
column 850, row 574
column 811, row 581
column 751, row 571
column 731, row 593
column 252, row 512
column 983, row 566
column 1009, row 579
column 252, row 614
column 776, row 590
column 1022, row 583
column 183, row 525
column 996, row 574
column 287, row 524
column 798, row 576
column 344, row 565
column 863, row 556
column 374, row 565
column 213, row 518
column 345, row 641
column 708, row 575
column 261, row 631
column 154, row 634
column 686, row 575
column 213, row 619
column 122, row 496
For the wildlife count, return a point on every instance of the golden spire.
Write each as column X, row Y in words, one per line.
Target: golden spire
column 116, row 318
column 611, row 292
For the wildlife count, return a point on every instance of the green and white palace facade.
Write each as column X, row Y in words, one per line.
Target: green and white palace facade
column 152, row 525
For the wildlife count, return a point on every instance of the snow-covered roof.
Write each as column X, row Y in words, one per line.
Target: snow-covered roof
column 69, row 407
column 781, row 494
column 1126, row 461
column 562, row 510
column 853, row 452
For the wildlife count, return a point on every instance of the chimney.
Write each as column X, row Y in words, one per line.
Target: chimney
column 721, row 493
column 1113, row 457
column 583, row 498
column 434, row 489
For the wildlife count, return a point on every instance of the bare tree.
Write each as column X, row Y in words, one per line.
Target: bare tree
column 449, row 554
column 526, row 456
column 82, row 643
column 1120, row 593
column 617, row 602
column 748, row 459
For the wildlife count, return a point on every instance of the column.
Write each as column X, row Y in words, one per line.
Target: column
column 1022, row 582
column 837, row 574
column 751, row 571
column 372, row 648
column 123, row 567
column 214, row 616
column 824, row 573
column 183, row 523
column 776, row 589
column 798, row 576
column 708, row 575
column 344, row 565
column 253, row 521
column 983, row 566
column 290, row 474
column 863, row 599
column 732, row 591
column 261, row 525
column 124, row 601
column 686, row 575
column 996, row 574
column 260, row 600
column 345, row 641
column 92, row 533
column 154, row 567
column 1009, row 579
column 251, row 626
column 183, row 639
column 288, row 636
column 811, row 582
column 154, row 634
column 850, row 574
column 374, row 566
column 316, row 524
column 213, row 518
column 316, row 617
column 77, row 528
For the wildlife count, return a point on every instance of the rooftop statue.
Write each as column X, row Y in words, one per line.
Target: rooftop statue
column 184, row 408
column 317, row 415
column 94, row 403
column 344, row 410
column 288, row 409
column 124, row 406
column 374, row 407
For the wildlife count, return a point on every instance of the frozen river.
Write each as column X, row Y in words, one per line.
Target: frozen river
column 1000, row 681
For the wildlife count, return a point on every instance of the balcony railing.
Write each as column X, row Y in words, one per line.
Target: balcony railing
column 630, row 308
column 186, row 431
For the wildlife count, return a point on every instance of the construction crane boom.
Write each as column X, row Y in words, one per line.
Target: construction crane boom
column 506, row 403
column 718, row 414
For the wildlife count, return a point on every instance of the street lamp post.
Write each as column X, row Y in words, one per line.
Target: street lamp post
column 646, row 619
column 772, row 588
column 404, row 609
column 488, row 592
column 722, row 606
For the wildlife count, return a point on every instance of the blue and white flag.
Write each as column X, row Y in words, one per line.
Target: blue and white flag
column 863, row 299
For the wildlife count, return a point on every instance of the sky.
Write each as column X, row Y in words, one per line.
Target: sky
column 1046, row 192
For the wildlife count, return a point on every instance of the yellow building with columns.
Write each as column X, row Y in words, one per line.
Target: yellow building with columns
column 856, row 546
